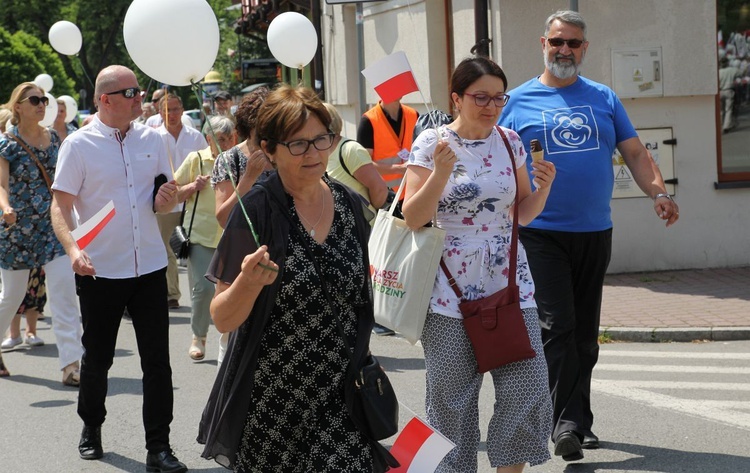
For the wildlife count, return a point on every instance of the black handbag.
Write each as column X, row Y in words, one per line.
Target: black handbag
column 179, row 241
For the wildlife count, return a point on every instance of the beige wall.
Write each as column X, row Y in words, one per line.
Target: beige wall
column 714, row 228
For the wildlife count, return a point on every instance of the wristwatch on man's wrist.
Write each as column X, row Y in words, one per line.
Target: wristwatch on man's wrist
column 663, row 195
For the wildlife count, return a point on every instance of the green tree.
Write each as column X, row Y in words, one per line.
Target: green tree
column 23, row 57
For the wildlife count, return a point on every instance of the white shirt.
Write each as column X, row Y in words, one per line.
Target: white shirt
column 155, row 121
column 96, row 167
column 188, row 141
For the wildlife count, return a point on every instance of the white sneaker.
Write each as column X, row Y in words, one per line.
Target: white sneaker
column 11, row 343
column 33, row 341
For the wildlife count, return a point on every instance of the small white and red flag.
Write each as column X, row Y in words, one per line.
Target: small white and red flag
column 392, row 77
column 419, row 448
column 89, row 229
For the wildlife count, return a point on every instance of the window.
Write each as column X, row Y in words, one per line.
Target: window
column 733, row 99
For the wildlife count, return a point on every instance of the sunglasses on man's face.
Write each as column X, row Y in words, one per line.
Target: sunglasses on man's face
column 36, row 100
column 128, row 93
column 558, row 42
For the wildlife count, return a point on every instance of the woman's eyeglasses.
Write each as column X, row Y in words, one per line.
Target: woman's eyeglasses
column 128, row 93
column 558, row 42
column 36, row 100
column 300, row 147
column 482, row 100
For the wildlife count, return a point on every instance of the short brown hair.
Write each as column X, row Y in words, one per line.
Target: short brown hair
column 471, row 69
column 286, row 111
column 247, row 111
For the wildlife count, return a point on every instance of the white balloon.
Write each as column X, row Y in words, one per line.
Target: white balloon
column 71, row 107
column 44, row 82
column 50, row 111
column 172, row 41
column 292, row 39
column 65, row 37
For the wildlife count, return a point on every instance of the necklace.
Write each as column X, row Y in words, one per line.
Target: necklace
column 42, row 140
column 322, row 211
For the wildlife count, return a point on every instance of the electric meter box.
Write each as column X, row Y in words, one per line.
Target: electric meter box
column 637, row 72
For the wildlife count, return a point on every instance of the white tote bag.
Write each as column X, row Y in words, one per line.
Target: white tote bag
column 403, row 267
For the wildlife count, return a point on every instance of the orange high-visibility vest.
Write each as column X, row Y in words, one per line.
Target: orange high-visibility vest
column 386, row 144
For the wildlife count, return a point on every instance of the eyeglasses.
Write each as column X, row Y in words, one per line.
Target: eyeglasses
column 482, row 100
column 36, row 100
column 300, row 147
column 558, row 42
column 128, row 93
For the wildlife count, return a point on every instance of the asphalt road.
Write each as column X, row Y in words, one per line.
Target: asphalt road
column 659, row 407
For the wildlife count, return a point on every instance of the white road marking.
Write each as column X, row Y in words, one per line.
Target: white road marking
column 682, row 385
column 675, row 354
column 672, row 369
column 710, row 410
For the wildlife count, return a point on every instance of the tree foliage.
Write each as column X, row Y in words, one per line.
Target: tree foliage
column 25, row 50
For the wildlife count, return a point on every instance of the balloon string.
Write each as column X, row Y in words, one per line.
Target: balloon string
column 197, row 89
column 164, row 102
column 80, row 63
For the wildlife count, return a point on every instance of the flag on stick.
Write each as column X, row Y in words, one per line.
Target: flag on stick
column 89, row 229
column 419, row 448
column 391, row 77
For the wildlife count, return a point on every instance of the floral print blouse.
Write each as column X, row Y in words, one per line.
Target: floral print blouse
column 31, row 242
column 475, row 211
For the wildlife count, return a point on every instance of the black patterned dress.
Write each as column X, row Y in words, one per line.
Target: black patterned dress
column 298, row 421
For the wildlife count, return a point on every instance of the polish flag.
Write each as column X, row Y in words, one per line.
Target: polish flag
column 89, row 229
column 392, row 77
column 419, row 448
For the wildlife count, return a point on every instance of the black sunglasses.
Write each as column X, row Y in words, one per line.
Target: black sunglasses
column 572, row 43
column 36, row 100
column 128, row 93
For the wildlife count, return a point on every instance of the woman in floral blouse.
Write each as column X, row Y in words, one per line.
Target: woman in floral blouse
column 27, row 163
column 463, row 171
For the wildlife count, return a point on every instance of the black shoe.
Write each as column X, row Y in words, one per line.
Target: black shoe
column 590, row 442
column 164, row 462
column 568, row 445
column 383, row 331
column 90, row 446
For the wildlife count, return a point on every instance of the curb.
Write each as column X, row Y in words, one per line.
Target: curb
column 667, row 334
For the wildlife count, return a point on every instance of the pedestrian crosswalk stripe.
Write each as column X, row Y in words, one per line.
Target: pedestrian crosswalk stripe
column 692, row 407
column 675, row 354
column 672, row 369
column 682, row 385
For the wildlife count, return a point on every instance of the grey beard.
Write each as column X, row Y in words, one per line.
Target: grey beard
column 559, row 70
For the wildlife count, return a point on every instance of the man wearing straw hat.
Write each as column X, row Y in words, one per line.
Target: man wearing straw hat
column 124, row 266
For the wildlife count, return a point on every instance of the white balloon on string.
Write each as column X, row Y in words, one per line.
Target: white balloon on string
column 65, row 38
column 71, row 107
column 44, row 82
column 50, row 111
column 292, row 39
column 172, row 41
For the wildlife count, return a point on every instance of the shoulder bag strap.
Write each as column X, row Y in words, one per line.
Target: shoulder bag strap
column 514, row 234
column 341, row 158
column 195, row 205
column 46, row 177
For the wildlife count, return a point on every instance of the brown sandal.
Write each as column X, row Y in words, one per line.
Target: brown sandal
column 71, row 375
column 4, row 373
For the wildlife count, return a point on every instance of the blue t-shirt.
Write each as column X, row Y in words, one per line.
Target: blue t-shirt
column 579, row 127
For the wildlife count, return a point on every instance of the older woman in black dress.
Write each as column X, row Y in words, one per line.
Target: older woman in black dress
column 278, row 402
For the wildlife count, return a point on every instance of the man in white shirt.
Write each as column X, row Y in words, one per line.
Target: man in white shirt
column 156, row 120
column 116, row 160
column 180, row 141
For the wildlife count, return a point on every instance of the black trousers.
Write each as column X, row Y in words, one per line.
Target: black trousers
column 103, row 302
column 568, row 270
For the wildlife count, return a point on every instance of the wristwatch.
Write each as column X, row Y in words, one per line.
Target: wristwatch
column 664, row 195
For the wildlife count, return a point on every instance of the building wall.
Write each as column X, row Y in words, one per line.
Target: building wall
column 714, row 228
